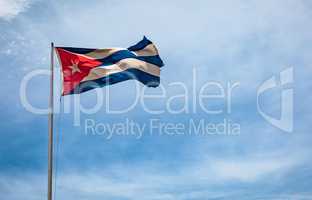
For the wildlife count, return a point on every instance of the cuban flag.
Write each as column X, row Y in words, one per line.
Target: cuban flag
column 85, row 69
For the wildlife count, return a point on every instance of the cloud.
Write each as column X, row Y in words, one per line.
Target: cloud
column 18, row 187
column 207, row 179
column 248, row 171
column 248, row 44
column 10, row 8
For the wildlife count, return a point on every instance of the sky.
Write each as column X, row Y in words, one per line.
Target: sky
column 225, row 42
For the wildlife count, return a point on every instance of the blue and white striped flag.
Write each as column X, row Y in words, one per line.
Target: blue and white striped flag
column 85, row 69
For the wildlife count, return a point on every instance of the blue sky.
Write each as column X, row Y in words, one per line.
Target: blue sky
column 225, row 41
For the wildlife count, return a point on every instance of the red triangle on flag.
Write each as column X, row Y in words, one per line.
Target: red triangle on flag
column 74, row 68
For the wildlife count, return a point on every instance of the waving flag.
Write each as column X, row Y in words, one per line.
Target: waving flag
column 85, row 69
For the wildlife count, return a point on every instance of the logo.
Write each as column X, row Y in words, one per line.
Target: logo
column 285, row 122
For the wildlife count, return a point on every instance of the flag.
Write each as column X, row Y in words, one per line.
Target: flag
column 84, row 69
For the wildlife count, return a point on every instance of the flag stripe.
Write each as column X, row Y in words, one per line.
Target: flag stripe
column 145, row 78
column 140, row 45
column 77, row 50
column 149, row 50
column 113, row 56
column 103, row 53
column 155, row 60
column 137, row 47
column 123, row 54
column 122, row 65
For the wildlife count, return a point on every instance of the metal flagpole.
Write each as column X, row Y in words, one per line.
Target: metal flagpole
column 50, row 145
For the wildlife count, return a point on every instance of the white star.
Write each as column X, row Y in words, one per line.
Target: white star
column 75, row 68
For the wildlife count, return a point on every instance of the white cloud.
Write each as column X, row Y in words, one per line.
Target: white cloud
column 248, row 171
column 11, row 8
column 203, row 31
column 19, row 187
column 146, row 181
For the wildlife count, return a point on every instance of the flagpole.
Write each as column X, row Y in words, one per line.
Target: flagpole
column 50, row 145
